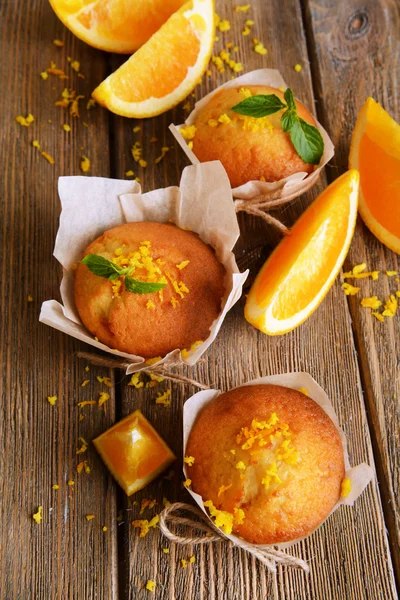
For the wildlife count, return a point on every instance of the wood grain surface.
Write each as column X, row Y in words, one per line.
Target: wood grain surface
column 348, row 50
column 365, row 35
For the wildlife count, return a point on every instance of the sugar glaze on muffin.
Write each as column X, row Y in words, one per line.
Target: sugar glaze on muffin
column 267, row 461
column 249, row 148
column 152, row 324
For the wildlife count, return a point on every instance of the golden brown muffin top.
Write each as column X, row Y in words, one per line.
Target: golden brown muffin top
column 270, row 459
column 249, row 148
column 151, row 324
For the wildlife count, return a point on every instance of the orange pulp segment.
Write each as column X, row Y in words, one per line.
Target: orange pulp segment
column 166, row 69
column 303, row 267
column 134, row 452
column 114, row 25
column 375, row 153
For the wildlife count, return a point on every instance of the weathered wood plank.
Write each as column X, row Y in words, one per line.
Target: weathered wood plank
column 349, row 555
column 65, row 556
column 356, row 52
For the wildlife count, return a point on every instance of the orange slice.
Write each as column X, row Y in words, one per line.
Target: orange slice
column 114, row 25
column 166, row 69
column 375, row 152
column 133, row 452
column 302, row 268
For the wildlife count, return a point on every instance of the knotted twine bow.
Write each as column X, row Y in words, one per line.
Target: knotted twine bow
column 114, row 363
column 259, row 205
column 270, row 557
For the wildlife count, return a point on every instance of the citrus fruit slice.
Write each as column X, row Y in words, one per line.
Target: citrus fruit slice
column 133, row 452
column 166, row 69
column 375, row 153
column 114, row 25
column 302, row 268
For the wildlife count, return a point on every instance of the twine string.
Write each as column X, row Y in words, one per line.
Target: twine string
column 260, row 206
column 270, row 557
column 115, row 363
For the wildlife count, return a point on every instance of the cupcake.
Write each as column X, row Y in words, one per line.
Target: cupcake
column 249, row 148
column 267, row 461
column 149, row 288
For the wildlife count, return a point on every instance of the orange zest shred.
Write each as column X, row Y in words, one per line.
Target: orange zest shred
column 37, row 516
column 349, row 289
column 304, row 391
column 136, row 381
column 187, row 483
column 371, row 302
column 35, row 144
column 55, row 487
column 89, row 517
column 85, row 382
column 189, row 460
column 145, row 525
column 259, row 47
column 223, row 519
column 223, row 489
column 52, row 400
column 378, row 316
column 84, row 164
column 150, row 585
column 164, row 151
column 164, row 399
column 103, row 397
column 390, row 306
column 346, row 487
column 244, row 8
column 25, row 121
column 86, row 403
column 84, row 446
column 183, row 563
column 48, row 157
column 58, row 43
column 70, row 482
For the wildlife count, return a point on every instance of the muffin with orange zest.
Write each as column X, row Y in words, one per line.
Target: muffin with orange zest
column 231, row 128
column 149, row 288
column 267, row 461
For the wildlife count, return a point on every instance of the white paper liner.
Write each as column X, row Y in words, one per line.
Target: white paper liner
column 294, row 184
column 360, row 476
column 91, row 205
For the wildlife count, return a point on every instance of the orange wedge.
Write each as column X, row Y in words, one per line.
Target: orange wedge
column 166, row 69
column 302, row 268
column 375, row 152
column 133, row 452
column 114, row 25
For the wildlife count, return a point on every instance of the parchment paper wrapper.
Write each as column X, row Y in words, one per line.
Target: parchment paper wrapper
column 91, row 205
column 289, row 187
column 359, row 476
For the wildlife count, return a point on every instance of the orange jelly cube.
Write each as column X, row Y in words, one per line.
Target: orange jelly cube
column 133, row 452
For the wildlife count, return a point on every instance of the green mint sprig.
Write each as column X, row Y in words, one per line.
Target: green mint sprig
column 305, row 138
column 105, row 268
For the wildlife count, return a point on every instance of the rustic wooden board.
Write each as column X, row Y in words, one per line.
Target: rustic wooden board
column 343, row 553
column 355, row 51
column 66, row 556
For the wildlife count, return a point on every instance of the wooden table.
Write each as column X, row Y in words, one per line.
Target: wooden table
column 348, row 50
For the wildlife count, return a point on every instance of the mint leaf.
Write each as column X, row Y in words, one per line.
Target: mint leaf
column 259, row 106
column 102, row 267
column 307, row 141
column 142, row 287
column 287, row 120
column 289, row 97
